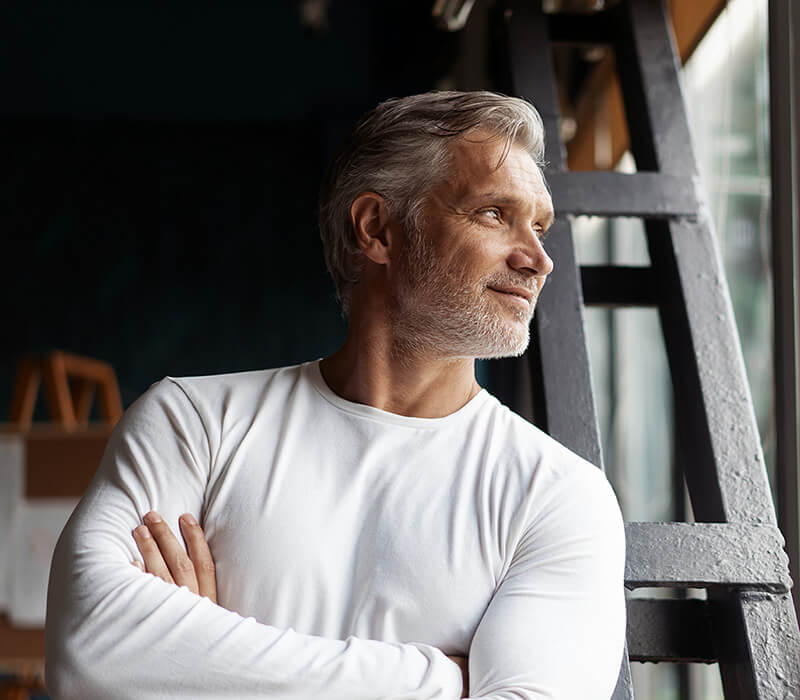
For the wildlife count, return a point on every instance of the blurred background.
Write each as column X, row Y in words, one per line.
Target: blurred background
column 159, row 177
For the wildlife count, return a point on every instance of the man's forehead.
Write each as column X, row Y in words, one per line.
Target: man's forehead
column 482, row 147
column 489, row 162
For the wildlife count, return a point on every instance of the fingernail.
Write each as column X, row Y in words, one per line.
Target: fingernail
column 141, row 532
column 188, row 519
column 152, row 518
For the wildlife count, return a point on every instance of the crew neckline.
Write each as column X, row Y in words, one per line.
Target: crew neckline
column 314, row 374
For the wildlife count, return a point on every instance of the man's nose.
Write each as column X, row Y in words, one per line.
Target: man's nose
column 530, row 257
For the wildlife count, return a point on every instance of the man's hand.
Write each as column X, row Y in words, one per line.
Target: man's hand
column 164, row 557
column 463, row 664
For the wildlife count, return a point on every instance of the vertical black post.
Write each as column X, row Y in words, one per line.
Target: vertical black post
column 569, row 409
column 784, row 98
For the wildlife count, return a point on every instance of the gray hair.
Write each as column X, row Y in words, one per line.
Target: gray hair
column 401, row 150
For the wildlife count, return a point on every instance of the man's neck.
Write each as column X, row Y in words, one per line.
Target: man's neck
column 420, row 384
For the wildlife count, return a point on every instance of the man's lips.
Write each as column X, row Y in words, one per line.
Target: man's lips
column 519, row 292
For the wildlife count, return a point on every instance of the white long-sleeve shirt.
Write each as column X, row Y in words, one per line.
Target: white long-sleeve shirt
column 354, row 549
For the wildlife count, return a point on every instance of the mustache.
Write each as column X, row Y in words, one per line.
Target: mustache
column 510, row 280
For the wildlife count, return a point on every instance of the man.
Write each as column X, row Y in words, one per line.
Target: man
column 375, row 515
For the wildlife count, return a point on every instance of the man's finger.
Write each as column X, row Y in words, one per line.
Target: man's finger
column 463, row 664
column 153, row 561
column 178, row 562
column 200, row 554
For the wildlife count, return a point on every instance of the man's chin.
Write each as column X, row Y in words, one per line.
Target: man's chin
column 507, row 347
column 501, row 353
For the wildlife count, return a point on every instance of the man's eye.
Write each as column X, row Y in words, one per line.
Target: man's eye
column 491, row 213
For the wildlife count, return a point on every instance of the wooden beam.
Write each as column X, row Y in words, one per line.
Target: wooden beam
column 600, row 106
column 691, row 19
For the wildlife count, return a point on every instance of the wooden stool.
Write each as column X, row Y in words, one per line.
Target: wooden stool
column 21, row 679
column 70, row 382
column 19, row 690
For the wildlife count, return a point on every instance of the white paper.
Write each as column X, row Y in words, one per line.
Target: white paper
column 12, row 479
column 37, row 525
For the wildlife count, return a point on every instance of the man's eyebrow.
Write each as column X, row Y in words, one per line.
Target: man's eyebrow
column 498, row 197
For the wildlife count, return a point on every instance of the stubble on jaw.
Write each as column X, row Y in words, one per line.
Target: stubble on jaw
column 439, row 310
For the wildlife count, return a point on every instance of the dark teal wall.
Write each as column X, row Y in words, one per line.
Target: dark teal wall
column 159, row 175
column 166, row 248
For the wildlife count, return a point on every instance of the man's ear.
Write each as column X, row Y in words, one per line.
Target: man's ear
column 372, row 226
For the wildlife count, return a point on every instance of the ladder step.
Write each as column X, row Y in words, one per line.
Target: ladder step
column 706, row 555
column 670, row 630
column 618, row 285
column 648, row 195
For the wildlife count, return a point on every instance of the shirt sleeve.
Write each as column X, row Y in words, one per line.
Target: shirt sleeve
column 113, row 631
column 555, row 628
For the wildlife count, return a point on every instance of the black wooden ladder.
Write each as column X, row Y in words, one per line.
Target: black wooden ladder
column 734, row 550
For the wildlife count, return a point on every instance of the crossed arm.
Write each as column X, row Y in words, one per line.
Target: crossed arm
column 163, row 556
column 552, row 630
column 114, row 632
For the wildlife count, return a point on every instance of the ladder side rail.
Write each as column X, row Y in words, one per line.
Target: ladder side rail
column 569, row 411
column 687, row 252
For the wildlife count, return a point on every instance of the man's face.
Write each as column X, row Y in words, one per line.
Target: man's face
column 467, row 283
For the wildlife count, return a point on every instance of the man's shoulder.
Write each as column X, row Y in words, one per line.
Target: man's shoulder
column 531, row 450
column 234, row 383
column 234, row 380
column 555, row 487
column 216, row 394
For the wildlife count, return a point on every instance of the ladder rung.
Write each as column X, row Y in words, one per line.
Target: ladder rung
column 647, row 195
column 670, row 630
column 705, row 555
column 618, row 285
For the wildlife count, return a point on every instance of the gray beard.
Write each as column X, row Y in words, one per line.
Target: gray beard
column 439, row 310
